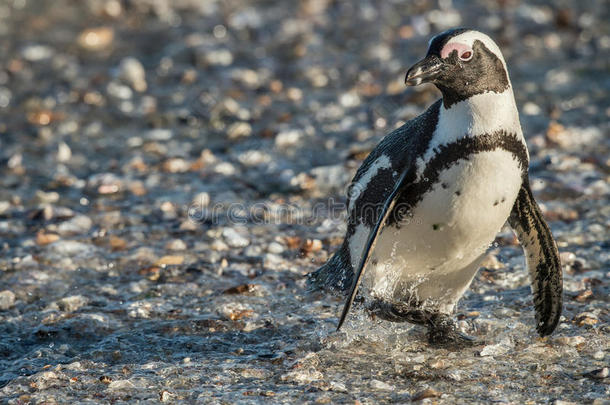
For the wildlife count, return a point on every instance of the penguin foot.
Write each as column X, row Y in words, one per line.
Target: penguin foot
column 442, row 331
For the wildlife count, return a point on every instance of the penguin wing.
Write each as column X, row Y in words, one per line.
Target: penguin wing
column 542, row 259
column 373, row 206
column 387, row 207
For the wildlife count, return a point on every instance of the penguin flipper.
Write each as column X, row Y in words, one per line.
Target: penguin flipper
column 387, row 208
column 542, row 259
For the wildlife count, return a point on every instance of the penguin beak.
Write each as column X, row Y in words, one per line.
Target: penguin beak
column 426, row 70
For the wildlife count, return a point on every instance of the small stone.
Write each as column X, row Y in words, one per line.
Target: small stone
column 380, row 385
column 302, row 376
column 584, row 296
column 500, row 348
column 153, row 273
column 165, row 396
column 219, row 245
column 225, row 168
column 132, row 72
column 438, row 364
column 571, row 340
column 246, row 289
column 75, row 226
column 328, row 178
column 599, row 355
column 119, row 91
column 311, row 246
column 294, row 94
column 46, row 379
column 234, row 239
column 4, row 207
column 37, row 53
column 7, row 300
column 47, row 198
column 120, row 385
column 201, row 200
column 64, row 153
column 117, row 243
column 176, row 244
column 216, row 57
column 338, row 386
column 96, row 39
column 239, row 130
column 105, row 379
column 72, row 303
column 258, row 373
column 491, row 262
column 288, row 138
column 70, row 248
column 176, row 165
column 43, row 238
column 275, row 248
column 105, row 183
column 235, row 313
column 113, row 8
column 170, row 260
column 586, row 319
column 427, row 393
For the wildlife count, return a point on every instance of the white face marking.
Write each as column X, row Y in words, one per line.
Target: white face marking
column 356, row 243
column 382, row 162
column 467, row 40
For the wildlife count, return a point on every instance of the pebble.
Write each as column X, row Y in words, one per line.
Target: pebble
column 132, row 72
column 288, row 138
column 498, row 349
column 599, row 355
column 571, row 340
column 239, row 130
column 72, row 303
column 258, row 373
column 176, row 165
column 37, row 53
column 64, row 153
column 70, row 248
column 176, row 244
column 96, row 39
column 7, row 300
column 77, row 225
column 380, row 385
column 121, row 385
column 275, row 248
column 302, row 376
column 234, row 239
column 331, row 178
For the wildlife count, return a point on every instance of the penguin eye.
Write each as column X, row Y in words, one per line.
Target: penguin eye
column 466, row 56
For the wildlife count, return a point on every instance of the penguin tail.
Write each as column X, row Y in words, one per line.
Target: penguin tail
column 335, row 275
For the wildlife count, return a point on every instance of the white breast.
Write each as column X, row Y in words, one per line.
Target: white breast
column 431, row 252
column 434, row 254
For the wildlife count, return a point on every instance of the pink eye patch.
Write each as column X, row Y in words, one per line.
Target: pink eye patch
column 455, row 46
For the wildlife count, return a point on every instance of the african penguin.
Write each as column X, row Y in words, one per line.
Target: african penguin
column 429, row 199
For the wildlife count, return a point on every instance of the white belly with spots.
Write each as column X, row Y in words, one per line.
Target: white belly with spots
column 434, row 254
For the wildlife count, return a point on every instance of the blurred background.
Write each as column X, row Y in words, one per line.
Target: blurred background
column 169, row 171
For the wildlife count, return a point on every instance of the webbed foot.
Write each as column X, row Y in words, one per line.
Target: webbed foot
column 442, row 331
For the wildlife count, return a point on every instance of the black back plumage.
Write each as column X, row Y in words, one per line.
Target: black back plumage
column 403, row 146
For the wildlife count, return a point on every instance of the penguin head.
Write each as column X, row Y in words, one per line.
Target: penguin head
column 461, row 63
